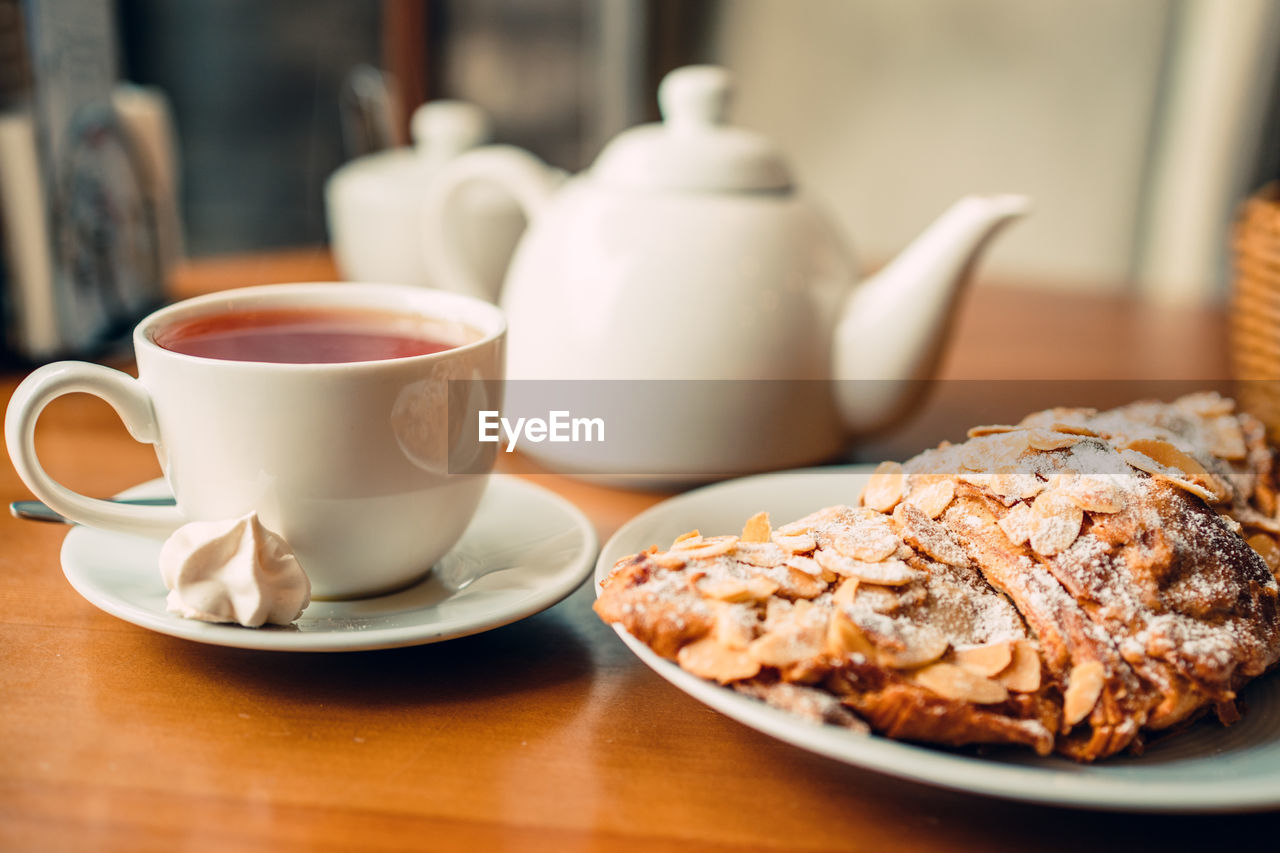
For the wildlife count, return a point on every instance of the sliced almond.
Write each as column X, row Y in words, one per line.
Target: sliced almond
column 702, row 548
column 1206, row 403
column 991, row 429
column 1060, row 419
column 881, row 599
column 673, row 559
column 808, row 565
column 955, row 682
column 631, row 558
column 734, row 590
column 924, row 534
column 1254, row 520
column 801, row 543
column 845, row 592
column 1090, row 492
column 1072, row 429
column 1144, row 463
column 761, row 587
column 724, row 589
column 1055, row 523
column 1265, row 496
column 794, row 528
column 1046, row 439
column 734, row 625
column 685, row 537
column 911, row 595
column 1173, row 462
column 845, row 638
column 987, row 660
column 707, row 658
column 815, row 520
column 1018, row 523
column 1023, row 673
column 885, row 572
column 900, row 644
column 1226, row 438
column 990, row 452
column 757, row 528
column 1267, row 549
column 933, row 497
column 1011, row 483
column 1168, row 455
column 884, row 489
column 765, row 555
column 799, row 641
column 794, row 583
column 981, row 479
column 1199, row 490
column 1084, row 686
column 779, row 613
column 867, row 541
column 920, row 647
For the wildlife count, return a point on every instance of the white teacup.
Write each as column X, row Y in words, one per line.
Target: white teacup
column 362, row 465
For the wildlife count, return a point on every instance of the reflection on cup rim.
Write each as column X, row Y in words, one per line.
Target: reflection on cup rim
column 482, row 317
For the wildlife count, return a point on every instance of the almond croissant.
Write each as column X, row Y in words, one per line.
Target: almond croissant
column 1070, row 583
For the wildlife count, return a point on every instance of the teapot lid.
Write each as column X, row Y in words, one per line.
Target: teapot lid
column 693, row 148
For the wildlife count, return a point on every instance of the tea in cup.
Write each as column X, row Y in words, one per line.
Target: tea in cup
column 336, row 412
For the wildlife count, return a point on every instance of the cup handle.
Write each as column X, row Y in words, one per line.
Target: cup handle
column 130, row 400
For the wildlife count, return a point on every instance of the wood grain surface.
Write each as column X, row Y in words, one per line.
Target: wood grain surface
column 543, row 735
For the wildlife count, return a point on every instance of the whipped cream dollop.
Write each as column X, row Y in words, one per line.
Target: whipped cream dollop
column 233, row 571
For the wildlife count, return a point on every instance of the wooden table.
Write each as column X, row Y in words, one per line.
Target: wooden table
column 543, row 735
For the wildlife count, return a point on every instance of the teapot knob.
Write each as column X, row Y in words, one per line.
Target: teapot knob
column 695, row 96
column 444, row 129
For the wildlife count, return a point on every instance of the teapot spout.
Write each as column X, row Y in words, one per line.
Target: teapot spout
column 893, row 327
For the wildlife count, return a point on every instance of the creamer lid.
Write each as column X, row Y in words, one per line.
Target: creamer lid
column 441, row 131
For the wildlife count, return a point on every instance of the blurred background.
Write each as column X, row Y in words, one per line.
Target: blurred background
column 1137, row 127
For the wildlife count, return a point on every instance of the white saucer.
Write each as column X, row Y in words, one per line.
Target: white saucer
column 526, row 549
column 1205, row 769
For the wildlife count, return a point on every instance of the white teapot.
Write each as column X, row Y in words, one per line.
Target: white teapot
column 707, row 313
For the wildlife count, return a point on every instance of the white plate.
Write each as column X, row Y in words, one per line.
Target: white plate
column 525, row 550
column 1207, row 768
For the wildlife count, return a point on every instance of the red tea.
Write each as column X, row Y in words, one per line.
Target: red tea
column 302, row 336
